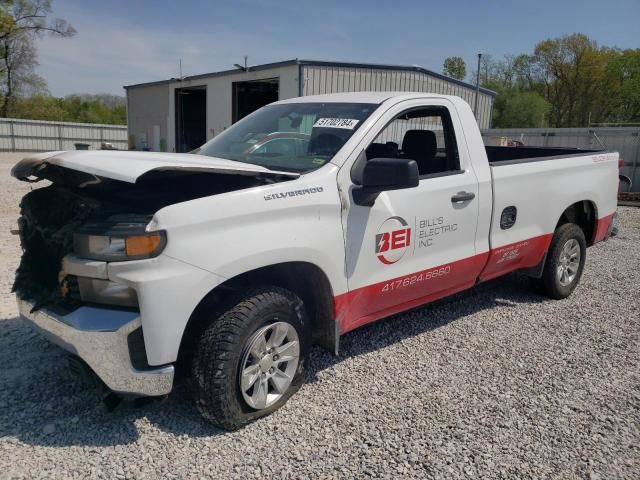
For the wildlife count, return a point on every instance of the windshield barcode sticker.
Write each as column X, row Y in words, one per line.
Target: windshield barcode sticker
column 347, row 123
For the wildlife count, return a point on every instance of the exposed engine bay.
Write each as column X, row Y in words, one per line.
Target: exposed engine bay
column 78, row 201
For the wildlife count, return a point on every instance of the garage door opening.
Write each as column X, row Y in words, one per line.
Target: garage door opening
column 191, row 118
column 250, row 96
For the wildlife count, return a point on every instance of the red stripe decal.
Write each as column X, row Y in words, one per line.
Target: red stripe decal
column 524, row 254
column 370, row 303
column 602, row 228
column 373, row 302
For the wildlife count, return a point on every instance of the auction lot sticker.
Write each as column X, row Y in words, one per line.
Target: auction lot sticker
column 346, row 123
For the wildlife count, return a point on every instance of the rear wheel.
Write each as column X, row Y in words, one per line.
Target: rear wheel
column 250, row 360
column 565, row 262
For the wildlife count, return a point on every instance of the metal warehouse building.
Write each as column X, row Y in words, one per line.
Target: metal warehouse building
column 178, row 115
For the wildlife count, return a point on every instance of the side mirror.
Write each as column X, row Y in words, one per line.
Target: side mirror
column 383, row 174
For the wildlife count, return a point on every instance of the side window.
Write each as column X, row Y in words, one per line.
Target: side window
column 425, row 135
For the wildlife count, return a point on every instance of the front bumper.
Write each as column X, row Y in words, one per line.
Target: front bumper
column 100, row 337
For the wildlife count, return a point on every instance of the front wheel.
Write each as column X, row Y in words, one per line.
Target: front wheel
column 250, row 360
column 565, row 262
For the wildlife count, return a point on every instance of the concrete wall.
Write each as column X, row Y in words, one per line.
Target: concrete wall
column 148, row 117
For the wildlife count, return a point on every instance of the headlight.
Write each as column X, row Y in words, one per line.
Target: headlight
column 119, row 248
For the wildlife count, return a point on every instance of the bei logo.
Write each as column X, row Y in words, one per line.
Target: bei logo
column 392, row 240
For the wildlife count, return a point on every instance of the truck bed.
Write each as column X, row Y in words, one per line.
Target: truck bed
column 535, row 186
column 507, row 155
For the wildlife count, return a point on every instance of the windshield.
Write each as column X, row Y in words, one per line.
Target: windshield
column 295, row 137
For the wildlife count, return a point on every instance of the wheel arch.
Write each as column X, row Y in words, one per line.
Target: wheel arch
column 305, row 279
column 583, row 213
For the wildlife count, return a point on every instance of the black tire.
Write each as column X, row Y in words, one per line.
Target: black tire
column 549, row 284
column 220, row 351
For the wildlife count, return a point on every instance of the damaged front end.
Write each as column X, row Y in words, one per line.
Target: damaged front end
column 71, row 301
column 59, row 225
column 49, row 217
column 72, row 230
column 100, row 218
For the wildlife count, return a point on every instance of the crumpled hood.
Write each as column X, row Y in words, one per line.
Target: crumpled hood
column 128, row 166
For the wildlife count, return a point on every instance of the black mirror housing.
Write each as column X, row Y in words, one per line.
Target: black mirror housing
column 383, row 174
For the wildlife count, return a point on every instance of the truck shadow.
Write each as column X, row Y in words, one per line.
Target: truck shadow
column 42, row 403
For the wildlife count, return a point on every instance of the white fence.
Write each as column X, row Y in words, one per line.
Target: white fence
column 625, row 140
column 18, row 135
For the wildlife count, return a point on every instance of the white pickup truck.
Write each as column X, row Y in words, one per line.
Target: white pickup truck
column 307, row 219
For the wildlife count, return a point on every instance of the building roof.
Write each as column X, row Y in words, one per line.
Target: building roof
column 255, row 68
column 362, row 97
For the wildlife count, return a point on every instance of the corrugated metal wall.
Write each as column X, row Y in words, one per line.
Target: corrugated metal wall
column 18, row 135
column 319, row 79
column 625, row 140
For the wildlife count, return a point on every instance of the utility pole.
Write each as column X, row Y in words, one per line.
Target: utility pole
column 475, row 108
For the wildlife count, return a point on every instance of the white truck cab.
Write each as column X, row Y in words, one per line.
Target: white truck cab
column 307, row 219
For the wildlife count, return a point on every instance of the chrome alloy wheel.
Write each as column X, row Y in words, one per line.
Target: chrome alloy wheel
column 569, row 262
column 269, row 363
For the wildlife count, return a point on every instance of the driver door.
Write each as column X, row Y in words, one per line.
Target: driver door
column 413, row 245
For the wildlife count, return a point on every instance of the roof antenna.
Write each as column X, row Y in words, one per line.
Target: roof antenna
column 244, row 68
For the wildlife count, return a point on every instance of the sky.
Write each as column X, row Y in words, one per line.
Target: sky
column 122, row 42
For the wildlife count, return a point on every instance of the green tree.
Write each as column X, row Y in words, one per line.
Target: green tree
column 103, row 108
column 579, row 81
column 514, row 108
column 622, row 79
column 95, row 109
column 21, row 23
column 38, row 107
column 519, row 103
column 572, row 69
column 455, row 67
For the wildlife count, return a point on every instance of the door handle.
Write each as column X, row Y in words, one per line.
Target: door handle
column 461, row 197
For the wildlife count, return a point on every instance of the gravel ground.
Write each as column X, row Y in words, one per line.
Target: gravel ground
column 494, row 383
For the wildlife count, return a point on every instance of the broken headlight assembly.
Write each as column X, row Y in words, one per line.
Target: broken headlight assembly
column 117, row 249
column 120, row 238
column 115, row 239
